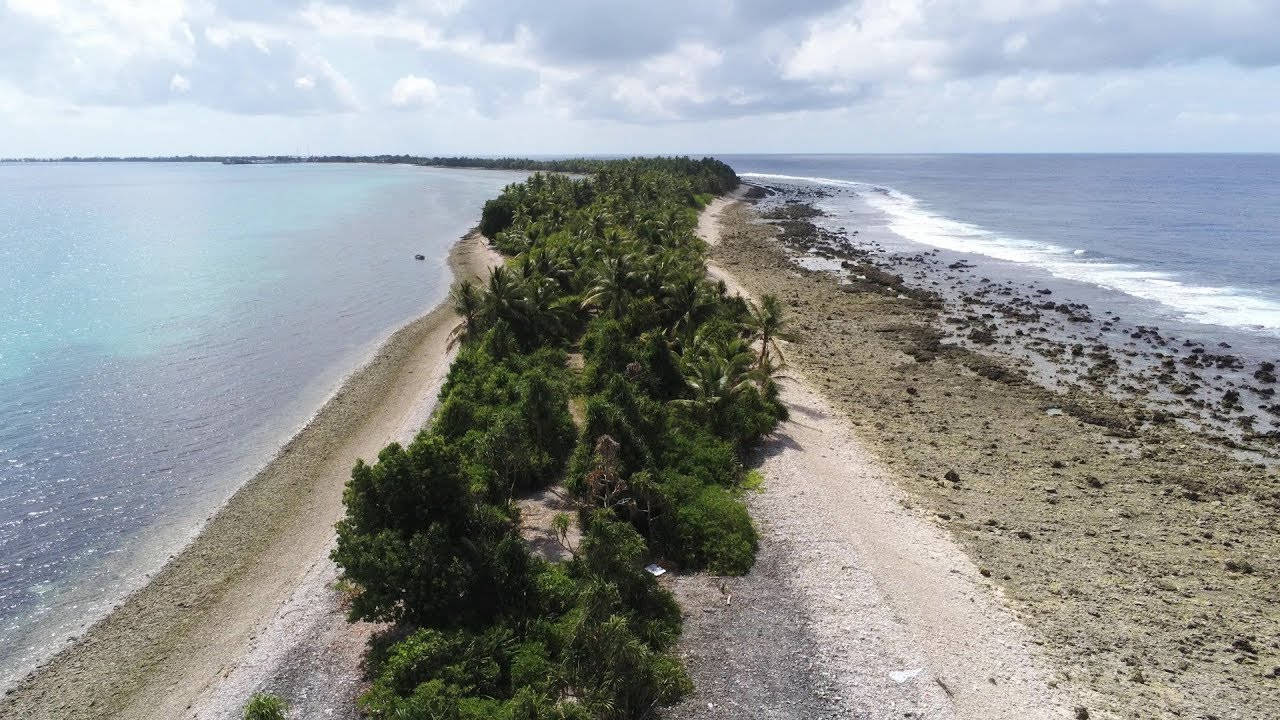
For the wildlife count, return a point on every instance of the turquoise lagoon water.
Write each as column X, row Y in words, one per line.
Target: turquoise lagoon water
column 163, row 329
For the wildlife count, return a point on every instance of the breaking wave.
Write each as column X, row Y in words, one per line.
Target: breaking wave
column 907, row 218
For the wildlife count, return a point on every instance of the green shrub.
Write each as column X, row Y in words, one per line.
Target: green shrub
column 531, row 667
column 497, row 215
column 691, row 449
column 419, row 546
column 715, row 532
column 263, row 706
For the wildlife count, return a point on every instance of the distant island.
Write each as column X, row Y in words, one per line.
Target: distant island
column 572, row 165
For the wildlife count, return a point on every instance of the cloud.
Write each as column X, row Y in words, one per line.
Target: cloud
column 148, row 53
column 622, row 60
column 633, row 63
column 412, row 91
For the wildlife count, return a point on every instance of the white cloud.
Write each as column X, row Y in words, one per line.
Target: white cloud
column 946, row 63
column 412, row 91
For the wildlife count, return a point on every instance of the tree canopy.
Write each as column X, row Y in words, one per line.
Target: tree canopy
column 675, row 388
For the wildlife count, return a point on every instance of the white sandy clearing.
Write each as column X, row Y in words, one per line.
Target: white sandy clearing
column 903, row 621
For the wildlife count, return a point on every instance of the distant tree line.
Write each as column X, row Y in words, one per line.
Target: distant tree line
column 584, row 166
column 673, row 381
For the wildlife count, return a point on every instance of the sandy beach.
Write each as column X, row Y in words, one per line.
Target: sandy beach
column 1137, row 559
column 250, row 601
column 858, row 606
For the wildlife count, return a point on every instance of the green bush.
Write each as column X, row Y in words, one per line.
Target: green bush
column 418, row 545
column 691, row 449
column 497, row 215
column 716, row 532
column 263, row 706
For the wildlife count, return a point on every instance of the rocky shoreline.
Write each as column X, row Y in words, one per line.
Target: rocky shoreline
column 1141, row 551
column 1204, row 385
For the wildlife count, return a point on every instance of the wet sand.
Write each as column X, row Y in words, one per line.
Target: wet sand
column 223, row 617
column 1141, row 557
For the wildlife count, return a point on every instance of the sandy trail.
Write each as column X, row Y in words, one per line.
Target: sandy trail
column 859, row 605
column 250, row 604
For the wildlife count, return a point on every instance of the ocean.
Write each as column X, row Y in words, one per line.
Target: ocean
column 1171, row 254
column 1198, row 236
column 164, row 329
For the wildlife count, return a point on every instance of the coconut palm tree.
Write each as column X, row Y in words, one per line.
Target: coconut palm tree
column 688, row 303
column 766, row 323
column 547, row 315
column 505, row 299
column 468, row 303
column 612, row 287
column 715, row 375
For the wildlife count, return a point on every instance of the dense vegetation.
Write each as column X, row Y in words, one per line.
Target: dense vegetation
column 602, row 306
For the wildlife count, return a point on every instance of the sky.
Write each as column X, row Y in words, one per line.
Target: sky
column 495, row 77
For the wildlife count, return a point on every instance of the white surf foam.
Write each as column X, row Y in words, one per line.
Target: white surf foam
column 907, row 218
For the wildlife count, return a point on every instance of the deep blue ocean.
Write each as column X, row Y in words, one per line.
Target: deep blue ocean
column 1187, row 240
column 164, row 328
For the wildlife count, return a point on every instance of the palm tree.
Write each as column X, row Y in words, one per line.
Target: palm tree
column 715, row 376
column 547, row 315
column 599, row 223
column 468, row 304
column 688, row 303
column 505, row 299
column 766, row 323
column 612, row 286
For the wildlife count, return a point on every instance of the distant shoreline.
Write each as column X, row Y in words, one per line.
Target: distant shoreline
column 568, row 165
column 165, row 645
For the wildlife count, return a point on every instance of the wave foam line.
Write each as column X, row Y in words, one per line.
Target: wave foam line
column 1200, row 303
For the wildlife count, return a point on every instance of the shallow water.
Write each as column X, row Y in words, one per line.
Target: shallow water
column 163, row 329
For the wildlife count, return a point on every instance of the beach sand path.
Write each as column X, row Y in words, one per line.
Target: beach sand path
column 859, row 605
